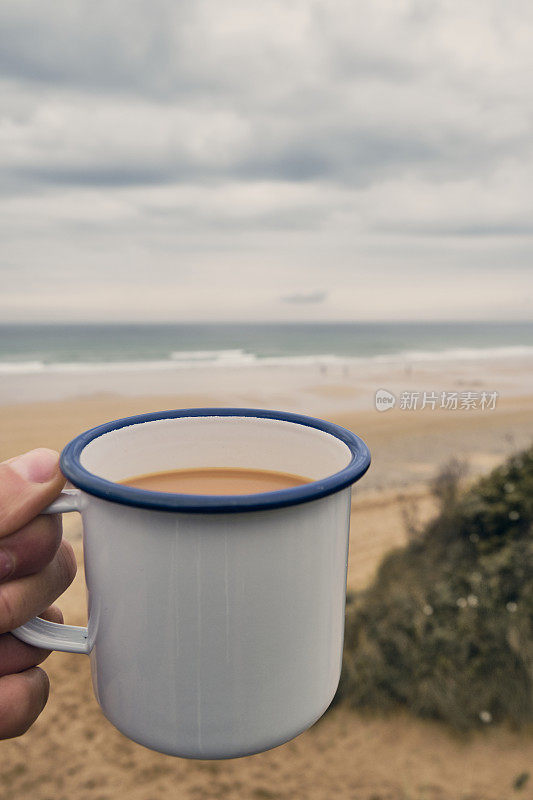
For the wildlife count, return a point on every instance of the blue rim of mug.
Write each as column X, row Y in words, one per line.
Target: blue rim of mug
column 214, row 504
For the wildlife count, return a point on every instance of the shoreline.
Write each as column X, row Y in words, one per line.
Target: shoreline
column 339, row 385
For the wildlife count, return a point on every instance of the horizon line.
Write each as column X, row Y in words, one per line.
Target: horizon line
column 147, row 322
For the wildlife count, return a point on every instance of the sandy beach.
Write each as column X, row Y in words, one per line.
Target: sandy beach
column 48, row 409
column 316, row 387
column 72, row 751
column 309, row 207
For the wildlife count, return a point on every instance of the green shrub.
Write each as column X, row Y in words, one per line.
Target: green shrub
column 446, row 629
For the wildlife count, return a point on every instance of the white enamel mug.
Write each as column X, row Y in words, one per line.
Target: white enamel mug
column 216, row 623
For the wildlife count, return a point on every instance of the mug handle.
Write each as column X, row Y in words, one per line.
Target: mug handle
column 52, row 635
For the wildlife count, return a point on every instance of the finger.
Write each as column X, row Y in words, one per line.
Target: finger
column 16, row 656
column 24, row 598
column 28, row 483
column 31, row 548
column 22, row 698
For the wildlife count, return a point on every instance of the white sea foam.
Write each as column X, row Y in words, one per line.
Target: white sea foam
column 457, row 354
column 238, row 358
column 21, row 367
column 209, row 355
column 213, row 357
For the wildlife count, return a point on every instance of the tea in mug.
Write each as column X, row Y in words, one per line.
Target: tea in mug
column 216, row 481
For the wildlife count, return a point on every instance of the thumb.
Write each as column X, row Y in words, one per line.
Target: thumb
column 28, row 483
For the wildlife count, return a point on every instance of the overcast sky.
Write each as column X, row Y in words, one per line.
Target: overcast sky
column 301, row 159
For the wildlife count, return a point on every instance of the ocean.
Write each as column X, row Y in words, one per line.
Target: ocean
column 30, row 349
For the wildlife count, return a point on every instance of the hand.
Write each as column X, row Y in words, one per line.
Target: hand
column 36, row 566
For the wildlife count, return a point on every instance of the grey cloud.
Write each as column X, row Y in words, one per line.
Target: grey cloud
column 165, row 50
column 232, row 221
column 446, row 229
column 304, row 298
column 99, row 176
column 309, row 113
column 354, row 158
column 110, row 47
column 337, row 138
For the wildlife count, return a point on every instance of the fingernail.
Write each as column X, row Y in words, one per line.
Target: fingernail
column 7, row 564
column 39, row 676
column 37, row 466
